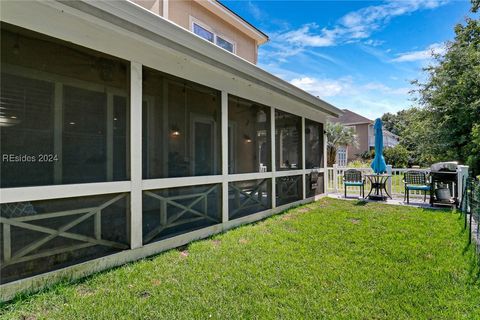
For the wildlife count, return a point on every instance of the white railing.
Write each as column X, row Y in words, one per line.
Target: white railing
column 395, row 185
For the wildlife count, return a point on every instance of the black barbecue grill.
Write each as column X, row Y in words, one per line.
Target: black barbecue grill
column 444, row 177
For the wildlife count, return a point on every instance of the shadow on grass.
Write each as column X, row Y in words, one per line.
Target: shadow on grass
column 361, row 203
column 474, row 267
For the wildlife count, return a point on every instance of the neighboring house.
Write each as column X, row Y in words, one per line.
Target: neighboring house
column 363, row 128
column 123, row 134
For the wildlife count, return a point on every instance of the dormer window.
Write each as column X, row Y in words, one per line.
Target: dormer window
column 202, row 30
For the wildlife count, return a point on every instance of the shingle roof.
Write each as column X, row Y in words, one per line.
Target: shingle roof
column 350, row 117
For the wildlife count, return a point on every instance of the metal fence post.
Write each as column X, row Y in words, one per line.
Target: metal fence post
column 461, row 177
column 389, row 183
column 335, row 178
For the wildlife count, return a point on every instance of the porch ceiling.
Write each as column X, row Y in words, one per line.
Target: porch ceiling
column 133, row 18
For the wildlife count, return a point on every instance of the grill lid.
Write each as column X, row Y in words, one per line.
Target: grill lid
column 450, row 166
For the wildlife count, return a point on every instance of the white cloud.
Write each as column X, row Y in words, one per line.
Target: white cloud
column 383, row 89
column 368, row 99
column 321, row 87
column 325, row 87
column 303, row 37
column 420, row 55
column 352, row 27
column 255, row 11
column 374, row 43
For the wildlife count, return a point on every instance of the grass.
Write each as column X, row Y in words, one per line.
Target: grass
column 330, row 259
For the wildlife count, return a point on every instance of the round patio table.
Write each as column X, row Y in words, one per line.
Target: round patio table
column 378, row 184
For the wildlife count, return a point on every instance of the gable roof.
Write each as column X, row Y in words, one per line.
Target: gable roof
column 228, row 15
column 351, row 118
column 266, row 37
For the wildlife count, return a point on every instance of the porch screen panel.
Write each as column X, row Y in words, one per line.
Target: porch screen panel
column 288, row 143
column 59, row 105
column 41, row 236
column 173, row 211
column 249, row 140
column 248, row 197
column 120, row 139
column 26, row 131
column 288, row 189
column 84, row 135
column 313, row 144
column 181, row 127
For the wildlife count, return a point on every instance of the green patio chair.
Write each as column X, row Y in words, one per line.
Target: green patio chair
column 415, row 180
column 354, row 178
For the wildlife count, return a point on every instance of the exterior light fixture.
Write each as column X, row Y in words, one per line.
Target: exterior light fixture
column 247, row 138
column 72, row 123
column 175, row 131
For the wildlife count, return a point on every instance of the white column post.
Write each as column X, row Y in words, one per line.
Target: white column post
column 462, row 174
column 136, row 155
column 389, row 183
column 225, row 146
column 165, row 8
column 325, row 162
column 335, row 178
column 274, row 159
column 302, row 135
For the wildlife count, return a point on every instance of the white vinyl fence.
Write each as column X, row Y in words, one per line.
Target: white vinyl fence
column 395, row 184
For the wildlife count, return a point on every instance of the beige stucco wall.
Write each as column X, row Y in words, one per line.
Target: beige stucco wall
column 181, row 10
column 156, row 6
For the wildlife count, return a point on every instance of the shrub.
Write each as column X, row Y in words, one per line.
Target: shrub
column 397, row 156
column 358, row 164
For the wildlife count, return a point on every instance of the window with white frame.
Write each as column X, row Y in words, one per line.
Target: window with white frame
column 202, row 30
column 342, row 156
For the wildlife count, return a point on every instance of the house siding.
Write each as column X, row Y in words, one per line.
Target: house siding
column 156, row 6
column 181, row 11
column 362, row 135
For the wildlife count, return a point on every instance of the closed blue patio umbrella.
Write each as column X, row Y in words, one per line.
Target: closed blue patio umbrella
column 378, row 164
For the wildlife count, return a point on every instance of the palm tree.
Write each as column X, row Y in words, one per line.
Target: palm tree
column 338, row 135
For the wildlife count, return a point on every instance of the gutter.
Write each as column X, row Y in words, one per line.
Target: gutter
column 132, row 17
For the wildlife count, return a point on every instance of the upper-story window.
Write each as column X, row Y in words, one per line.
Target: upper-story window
column 225, row 44
column 202, row 30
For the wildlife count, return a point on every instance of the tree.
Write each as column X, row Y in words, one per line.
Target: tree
column 475, row 5
column 396, row 123
column 397, row 156
column 451, row 101
column 338, row 135
column 410, row 126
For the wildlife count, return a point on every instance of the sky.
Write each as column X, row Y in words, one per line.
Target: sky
column 358, row 55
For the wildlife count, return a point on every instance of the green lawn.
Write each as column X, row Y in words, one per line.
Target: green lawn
column 330, row 259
